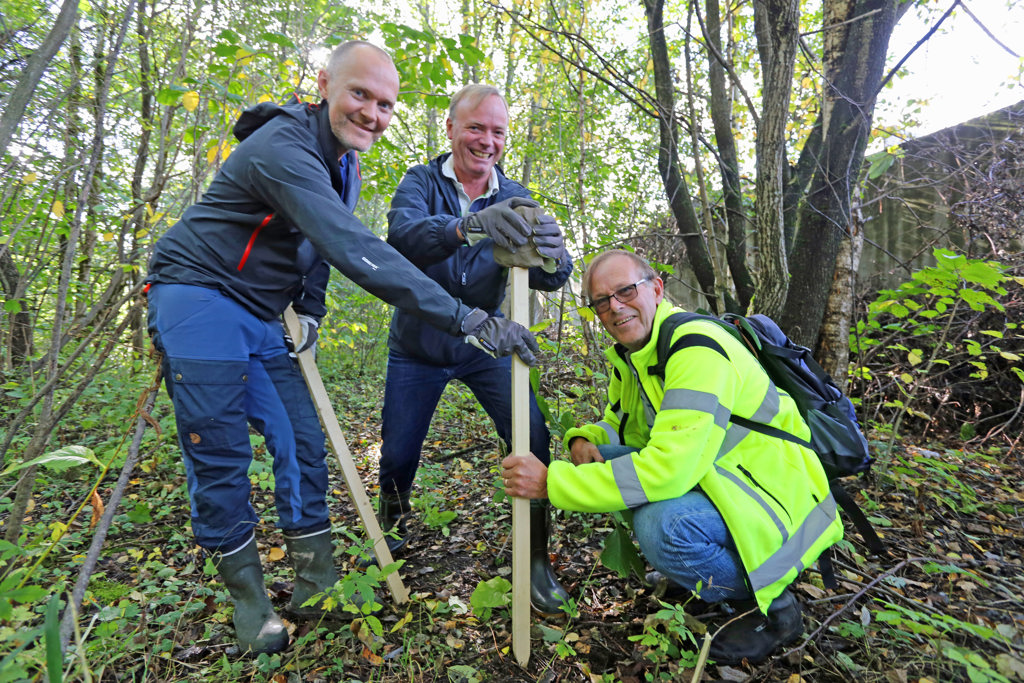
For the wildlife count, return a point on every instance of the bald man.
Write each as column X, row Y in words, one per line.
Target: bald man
column 278, row 211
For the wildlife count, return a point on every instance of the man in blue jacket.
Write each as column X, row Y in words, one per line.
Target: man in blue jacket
column 218, row 281
column 448, row 217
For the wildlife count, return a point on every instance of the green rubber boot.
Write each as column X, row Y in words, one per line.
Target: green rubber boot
column 312, row 558
column 546, row 594
column 257, row 626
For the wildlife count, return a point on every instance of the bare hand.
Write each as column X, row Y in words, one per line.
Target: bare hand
column 525, row 476
column 582, row 451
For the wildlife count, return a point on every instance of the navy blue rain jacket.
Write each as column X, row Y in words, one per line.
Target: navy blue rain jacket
column 278, row 201
column 421, row 226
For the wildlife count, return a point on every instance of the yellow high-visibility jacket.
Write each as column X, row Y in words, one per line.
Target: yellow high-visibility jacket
column 772, row 494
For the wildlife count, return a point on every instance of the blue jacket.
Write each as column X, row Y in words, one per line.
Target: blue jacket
column 278, row 201
column 421, row 226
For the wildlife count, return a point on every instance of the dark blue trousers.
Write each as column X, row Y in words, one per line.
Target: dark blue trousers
column 411, row 393
column 226, row 369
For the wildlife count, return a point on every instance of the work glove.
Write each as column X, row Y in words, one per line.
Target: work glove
column 547, row 237
column 310, row 332
column 499, row 337
column 500, row 222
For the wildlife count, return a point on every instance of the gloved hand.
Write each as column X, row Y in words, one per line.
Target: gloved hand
column 499, row 337
column 547, row 237
column 310, row 332
column 500, row 222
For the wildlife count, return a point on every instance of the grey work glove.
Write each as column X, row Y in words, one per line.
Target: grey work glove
column 500, row 222
column 498, row 337
column 545, row 247
column 310, row 332
column 547, row 237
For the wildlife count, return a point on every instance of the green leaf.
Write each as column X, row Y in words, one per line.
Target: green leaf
column 12, row 306
column 489, row 594
column 54, row 656
column 620, row 555
column 59, row 460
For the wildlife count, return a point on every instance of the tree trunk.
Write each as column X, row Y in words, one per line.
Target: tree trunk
column 834, row 341
column 823, row 220
column 15, row 104
column 725, row 141
column 783, row 18
column 668, row 158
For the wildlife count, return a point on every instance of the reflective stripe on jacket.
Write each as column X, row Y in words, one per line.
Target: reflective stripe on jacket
column 772, row 494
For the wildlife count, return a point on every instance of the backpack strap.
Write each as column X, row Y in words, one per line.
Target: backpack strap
column 859, row 519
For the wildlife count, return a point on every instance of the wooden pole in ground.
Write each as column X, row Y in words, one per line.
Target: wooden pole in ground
column 336, row 442
column 520, row 296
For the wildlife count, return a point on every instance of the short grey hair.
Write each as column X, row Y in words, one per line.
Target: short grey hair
column 341, row 53
column 644, row 268
column 474, row 93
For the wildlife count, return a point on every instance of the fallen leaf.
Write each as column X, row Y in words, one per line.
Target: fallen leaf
column 97, row 509
column 276, row 554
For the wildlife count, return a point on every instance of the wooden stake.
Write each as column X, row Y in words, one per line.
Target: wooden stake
column 520, row 296
column 336, row 442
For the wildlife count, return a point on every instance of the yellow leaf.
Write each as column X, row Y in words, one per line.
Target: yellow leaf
column 190, row 100
column 264, row 98
column 795, row 678
column 139, row 234
column 275, row 554
column 30, row 178
column 806, row 82
column 58, row 208
column 915, row 357
column 402, row 622
column 289, row 62
column 243, row 56
column 108, row 236
column 907, row 378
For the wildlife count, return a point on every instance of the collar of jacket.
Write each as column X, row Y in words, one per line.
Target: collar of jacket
column 321, row 123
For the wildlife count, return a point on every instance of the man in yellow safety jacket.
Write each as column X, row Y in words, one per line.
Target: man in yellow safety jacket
column 733, row 511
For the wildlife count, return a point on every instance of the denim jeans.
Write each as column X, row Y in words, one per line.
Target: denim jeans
column 686, row 539
column 411, row 392
column 224, row 369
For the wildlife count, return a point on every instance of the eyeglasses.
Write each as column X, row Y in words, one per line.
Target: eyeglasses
column 622, row 295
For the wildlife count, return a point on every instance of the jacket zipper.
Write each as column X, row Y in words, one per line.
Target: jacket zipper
column 252, row 240
column 750, row 476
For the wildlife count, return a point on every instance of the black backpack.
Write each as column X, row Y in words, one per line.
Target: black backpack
column 835, row 433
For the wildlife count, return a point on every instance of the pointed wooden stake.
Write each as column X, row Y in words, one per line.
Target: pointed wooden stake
column 520, row 296
column 336, row 442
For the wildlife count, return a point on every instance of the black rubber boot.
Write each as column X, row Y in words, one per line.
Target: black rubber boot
column 756, row 636
column 257, row 626
column 546, row 595
column 394, row 510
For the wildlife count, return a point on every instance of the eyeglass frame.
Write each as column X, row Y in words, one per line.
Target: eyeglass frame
column 595, row 304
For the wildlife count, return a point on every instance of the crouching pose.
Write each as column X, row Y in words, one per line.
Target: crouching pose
column 717, row 508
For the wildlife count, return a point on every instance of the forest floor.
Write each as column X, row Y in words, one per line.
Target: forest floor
column 946, row 605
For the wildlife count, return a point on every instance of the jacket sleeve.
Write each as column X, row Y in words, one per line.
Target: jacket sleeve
column 549, row 282
column 312, row 300
column 687, row 434
column 291, row 177
column 420, row 236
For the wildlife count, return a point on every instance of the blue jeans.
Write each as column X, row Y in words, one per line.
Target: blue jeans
column 411, row 393
column 224, row 369
column 686, row 539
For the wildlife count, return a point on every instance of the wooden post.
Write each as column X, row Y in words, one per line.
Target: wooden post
column 520, row 296
column 336, row 442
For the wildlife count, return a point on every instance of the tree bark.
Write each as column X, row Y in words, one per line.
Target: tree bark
column 783, row 17
column 668, row 158
column 853, row 67
column 14, row 105
column 725, row 142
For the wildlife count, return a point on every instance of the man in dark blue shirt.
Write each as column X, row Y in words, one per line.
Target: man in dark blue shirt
column 448, row 217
